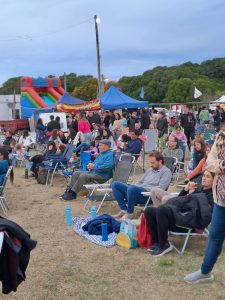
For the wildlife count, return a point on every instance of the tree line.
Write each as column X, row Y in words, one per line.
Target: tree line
column 161, row 84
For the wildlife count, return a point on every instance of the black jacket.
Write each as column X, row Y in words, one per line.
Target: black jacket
column 162, row 126
column 187, row 121
column 192, row 210
column 53, row 125
column 14, row 256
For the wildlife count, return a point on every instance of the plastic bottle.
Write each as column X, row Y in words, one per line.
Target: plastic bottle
column 104, row 232
column 93, row 212
column 68, row 215
column 26, row 173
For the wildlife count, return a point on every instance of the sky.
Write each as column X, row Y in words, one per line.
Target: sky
column 43, row 37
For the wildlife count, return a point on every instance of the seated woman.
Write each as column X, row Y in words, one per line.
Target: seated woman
column 196, row 174
column 178, row 212
column 55, row 137
column 199, row 148
column 38, row 159
column 107, row 134
column 4, row 165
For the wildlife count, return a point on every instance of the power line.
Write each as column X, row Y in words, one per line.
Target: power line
column 30, row 38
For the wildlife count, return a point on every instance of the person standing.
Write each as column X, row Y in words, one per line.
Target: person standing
column 162, row 126
column 216, row 164
column 117, row 126
column 188, row 122
column 53, row 124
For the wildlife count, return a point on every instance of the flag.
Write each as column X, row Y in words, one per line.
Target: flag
column 197, row 93
column 142, row 93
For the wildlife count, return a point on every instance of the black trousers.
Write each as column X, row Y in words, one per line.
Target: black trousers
column 160, row 220
column 190, row 134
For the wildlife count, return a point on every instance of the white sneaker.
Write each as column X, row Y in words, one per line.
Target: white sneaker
column 197, row 277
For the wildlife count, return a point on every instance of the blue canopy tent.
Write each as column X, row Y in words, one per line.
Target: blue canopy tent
column 113, row 98
column 68, row 99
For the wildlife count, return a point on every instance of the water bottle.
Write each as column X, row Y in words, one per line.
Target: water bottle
column 26, row 173
column 93, row 212
column 104, row 232
column 68, row 215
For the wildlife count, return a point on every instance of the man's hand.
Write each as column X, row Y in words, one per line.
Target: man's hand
column 90, row 166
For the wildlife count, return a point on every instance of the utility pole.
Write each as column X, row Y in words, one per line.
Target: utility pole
column 14, row 105
column 99, row 91
column 64, row 81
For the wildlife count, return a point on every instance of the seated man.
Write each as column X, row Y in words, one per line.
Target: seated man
column 157, row 175
column 191, row 208
column 100, row 169
column 8, row 140
column 134, row 145
column 173, row 150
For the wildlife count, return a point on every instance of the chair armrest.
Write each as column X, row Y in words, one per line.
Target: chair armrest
column 104, row 190
column 93, row 186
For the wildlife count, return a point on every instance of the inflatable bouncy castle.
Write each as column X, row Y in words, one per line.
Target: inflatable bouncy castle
column 38, row 93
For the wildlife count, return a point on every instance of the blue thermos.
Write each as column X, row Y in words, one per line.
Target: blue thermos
column 93, row 212
column 68, row 215
column 104, row 232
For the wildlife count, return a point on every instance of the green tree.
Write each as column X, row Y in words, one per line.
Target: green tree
column 110, row 83
column 180, row 91
column 11, row 85
column 87, row 91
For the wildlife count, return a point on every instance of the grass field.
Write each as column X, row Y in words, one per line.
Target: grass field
column 65, row 266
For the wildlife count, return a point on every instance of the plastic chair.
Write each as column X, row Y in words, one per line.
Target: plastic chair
column 121, row 173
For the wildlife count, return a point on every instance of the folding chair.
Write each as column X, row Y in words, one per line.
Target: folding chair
column 121, row 173
column 55, row 163
column 151, row 143
column 175, row 167
column 3, row 202
column 209, row 135
column 189, row 233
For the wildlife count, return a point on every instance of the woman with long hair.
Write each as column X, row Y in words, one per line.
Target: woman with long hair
column 199, row 148
column 55, row 137
column 117, row 126
column 25, row 139
column 107, row 134
column 40, row 131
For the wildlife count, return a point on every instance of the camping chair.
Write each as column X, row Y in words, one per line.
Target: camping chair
column 3, row 202
column 151, row 143
column 121, row 173
column 209, row 135
column 189, row 233
column 58, row 162
column 175, row 166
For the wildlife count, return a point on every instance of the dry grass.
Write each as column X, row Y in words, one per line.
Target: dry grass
column 66, row 266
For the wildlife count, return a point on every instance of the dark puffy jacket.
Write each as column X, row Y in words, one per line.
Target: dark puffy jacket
column 192, row 211
column 94, row 227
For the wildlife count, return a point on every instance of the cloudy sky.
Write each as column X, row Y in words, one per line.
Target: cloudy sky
column 42, row 37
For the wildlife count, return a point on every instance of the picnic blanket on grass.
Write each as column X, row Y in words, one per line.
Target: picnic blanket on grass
column 79, row 222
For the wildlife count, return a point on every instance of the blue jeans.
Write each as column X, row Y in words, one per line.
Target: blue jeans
column 82, row 147
column 128, row 193
column 216, row 238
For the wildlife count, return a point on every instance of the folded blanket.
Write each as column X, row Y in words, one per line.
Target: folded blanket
column 79, row 222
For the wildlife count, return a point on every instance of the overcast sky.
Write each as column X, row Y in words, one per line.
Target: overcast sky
column 42, row 37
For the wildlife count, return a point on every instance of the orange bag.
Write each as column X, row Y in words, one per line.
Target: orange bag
column 144, row 236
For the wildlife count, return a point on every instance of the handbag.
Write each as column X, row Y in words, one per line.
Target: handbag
column 144, row 236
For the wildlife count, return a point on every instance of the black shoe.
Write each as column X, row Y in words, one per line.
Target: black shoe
column 161, row 250
column 68, row 196
column 153, row 247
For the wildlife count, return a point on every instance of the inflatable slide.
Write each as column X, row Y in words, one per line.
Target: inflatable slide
column 38, row 93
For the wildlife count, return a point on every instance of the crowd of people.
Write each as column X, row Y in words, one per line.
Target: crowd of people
column 107, row 135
